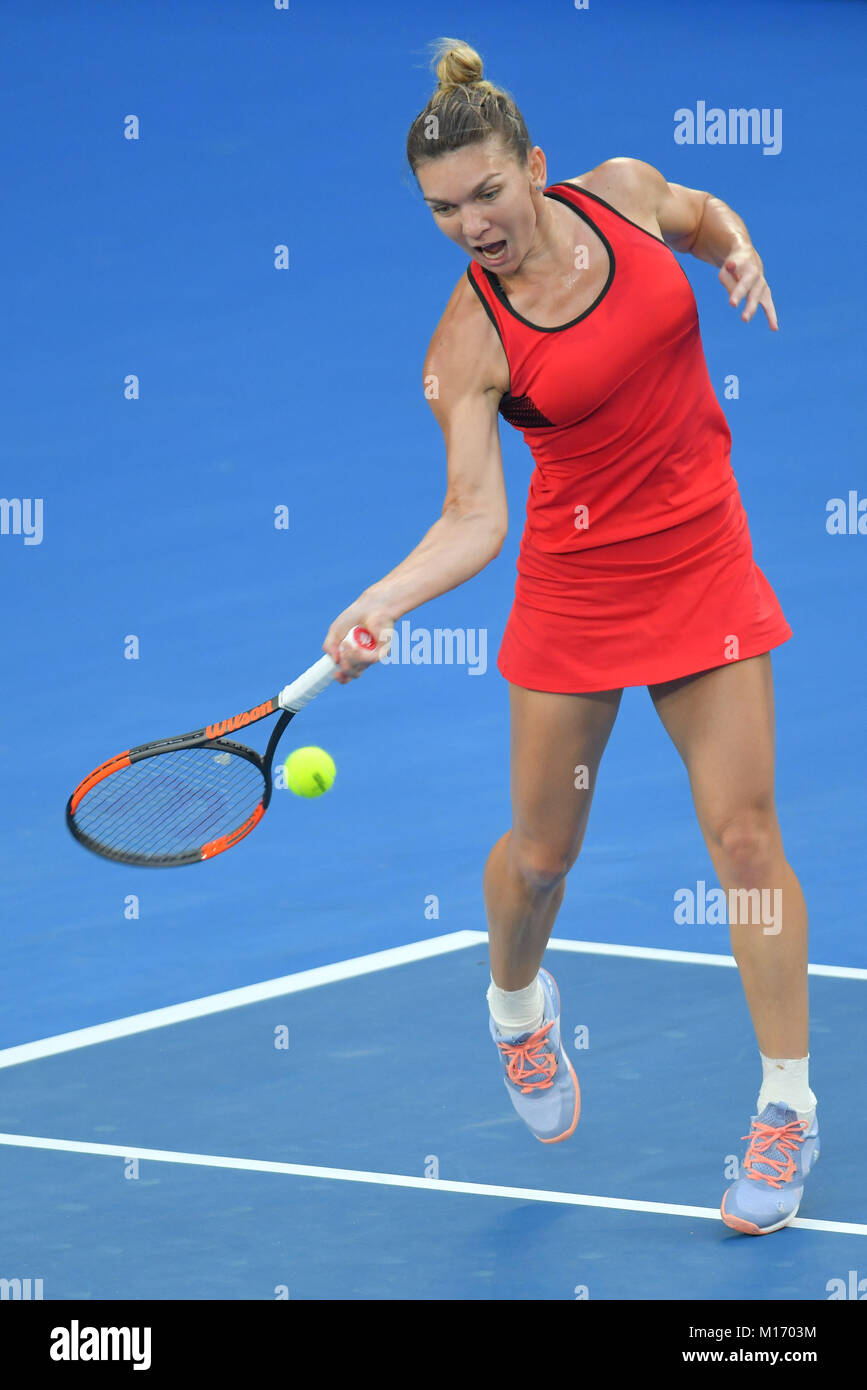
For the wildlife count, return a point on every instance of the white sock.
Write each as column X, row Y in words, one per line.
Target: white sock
column 786, row 1080
column 517, row 1011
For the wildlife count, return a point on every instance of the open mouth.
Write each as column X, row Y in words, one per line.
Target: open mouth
column 493, row 251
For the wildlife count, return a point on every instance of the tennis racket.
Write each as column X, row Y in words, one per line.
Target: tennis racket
column 184, row 799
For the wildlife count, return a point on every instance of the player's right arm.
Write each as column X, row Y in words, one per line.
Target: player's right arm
column 466, row 373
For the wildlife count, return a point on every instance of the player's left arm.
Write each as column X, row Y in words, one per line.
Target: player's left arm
column 700, row 223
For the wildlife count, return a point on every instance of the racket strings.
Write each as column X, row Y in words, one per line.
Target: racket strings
column 171, row 804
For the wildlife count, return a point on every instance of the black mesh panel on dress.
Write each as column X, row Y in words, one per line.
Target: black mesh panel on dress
column 520, row 411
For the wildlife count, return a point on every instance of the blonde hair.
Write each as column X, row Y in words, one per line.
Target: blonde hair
column 465, row 109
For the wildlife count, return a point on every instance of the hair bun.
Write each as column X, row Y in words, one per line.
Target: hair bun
column 468, row 109
column 457, row 65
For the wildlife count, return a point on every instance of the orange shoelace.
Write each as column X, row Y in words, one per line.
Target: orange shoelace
column 787, row 1138
column 530, row 1066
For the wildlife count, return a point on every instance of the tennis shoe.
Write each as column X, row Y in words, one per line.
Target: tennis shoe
column 780, row 1155
column 539, row 1077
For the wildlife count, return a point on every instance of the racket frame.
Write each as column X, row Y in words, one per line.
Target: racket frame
column 198, row 738
column 289, row 701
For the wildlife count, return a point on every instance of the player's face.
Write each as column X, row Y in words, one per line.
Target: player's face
column 483, row 200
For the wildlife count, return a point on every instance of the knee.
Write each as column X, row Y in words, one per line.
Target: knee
column 749, row 839
column 540, row 866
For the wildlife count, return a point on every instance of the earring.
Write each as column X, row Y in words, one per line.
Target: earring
column 538, row 188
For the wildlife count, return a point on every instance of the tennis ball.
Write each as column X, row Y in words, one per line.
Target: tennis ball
column 309, row 771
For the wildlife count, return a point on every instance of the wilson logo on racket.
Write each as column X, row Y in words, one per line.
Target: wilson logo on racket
column 228, row 726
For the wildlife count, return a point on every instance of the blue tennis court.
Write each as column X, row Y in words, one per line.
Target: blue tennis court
column 270, row 1076
column 281, row 1146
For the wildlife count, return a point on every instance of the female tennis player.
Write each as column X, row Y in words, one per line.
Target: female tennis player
column 576, row 323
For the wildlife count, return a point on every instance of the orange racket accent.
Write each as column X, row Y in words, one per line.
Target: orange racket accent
column 227, row 841
column 228, row 726
column 113, row 765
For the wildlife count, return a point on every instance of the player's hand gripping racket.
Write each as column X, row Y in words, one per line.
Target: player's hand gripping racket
column 180, row 800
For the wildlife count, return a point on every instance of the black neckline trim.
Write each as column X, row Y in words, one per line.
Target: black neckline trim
column 485, row 305
column 565, row 183
column 660, row 241
column 494, row 281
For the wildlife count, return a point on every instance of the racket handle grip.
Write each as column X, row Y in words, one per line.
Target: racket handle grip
column 314, row 680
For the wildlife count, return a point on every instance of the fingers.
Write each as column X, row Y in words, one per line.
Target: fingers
column 744, row 281
column 767, row 304
column 332, row 642
column 758, row 293
column 746, row 284
column 729, row 274
column 751, row 289
column 352, row 661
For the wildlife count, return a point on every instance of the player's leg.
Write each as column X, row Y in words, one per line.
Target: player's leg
column 557, row 745
column 722, row 723
column 557, row 742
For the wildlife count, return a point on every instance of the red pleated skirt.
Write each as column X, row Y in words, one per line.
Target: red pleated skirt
column 641, row 611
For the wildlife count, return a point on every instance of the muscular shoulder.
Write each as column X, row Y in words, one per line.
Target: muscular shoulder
column 631, row 186
column 465, row 349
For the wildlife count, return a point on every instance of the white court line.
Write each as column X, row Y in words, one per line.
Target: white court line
column 347, row 970
column 235, row 998
column 602, row 948
column 473, row 1189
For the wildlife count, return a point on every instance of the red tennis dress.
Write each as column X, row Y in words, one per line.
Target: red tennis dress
column 636, row 562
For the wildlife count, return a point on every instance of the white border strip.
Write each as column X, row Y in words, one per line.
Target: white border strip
column 602, row 948
column 348, row 970
column 236, row 998
column 473, row 1189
